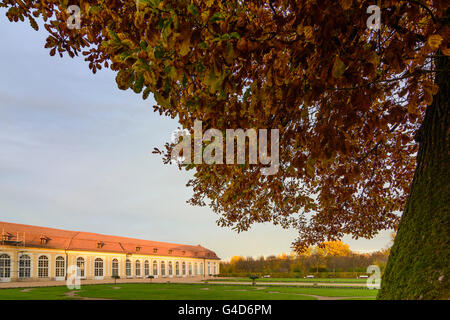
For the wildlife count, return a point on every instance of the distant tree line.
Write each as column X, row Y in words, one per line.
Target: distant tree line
column 330, row 259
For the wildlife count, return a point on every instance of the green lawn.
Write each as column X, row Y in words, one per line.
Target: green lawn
column 153, row 291
column 335, row 280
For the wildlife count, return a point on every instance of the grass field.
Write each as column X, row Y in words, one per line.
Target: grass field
column 185, row 292
column 321, row 280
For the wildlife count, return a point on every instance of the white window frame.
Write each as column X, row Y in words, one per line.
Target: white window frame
column 118, row 266
column 146, row 268
column 136, row 269
column 155, row 274
column 85, row 264
column 7, row 279
column 162, row 267
column 30, row 255
column 60, row 278
column 103, row 268
column 130, row 275
column 49, row 267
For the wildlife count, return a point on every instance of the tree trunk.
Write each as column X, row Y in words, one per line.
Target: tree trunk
column 418, row 265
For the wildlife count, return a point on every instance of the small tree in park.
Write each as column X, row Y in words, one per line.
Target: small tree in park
column 115, row 277
column 253, row 277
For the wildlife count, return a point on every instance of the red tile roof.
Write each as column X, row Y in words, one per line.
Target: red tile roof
column 30, row 236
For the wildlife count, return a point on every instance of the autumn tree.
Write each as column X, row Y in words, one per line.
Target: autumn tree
column 362, row 113
column 335, row 248
column 282, row 256
column 236, row 259
column 317, row 255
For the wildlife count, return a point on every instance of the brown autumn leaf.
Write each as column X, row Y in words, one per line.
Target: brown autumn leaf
column 250, row 65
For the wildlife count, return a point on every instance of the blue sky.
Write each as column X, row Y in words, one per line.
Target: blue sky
column 75, row 153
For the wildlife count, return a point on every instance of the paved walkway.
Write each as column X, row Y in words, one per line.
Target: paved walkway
column 33, row 284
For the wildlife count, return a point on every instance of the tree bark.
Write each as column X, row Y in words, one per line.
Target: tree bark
column 418, row 265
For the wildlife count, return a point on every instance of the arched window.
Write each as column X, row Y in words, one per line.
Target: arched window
column 196, row 269
column 146, row 268
column 202, row 270
column 5, row 266
column 209, row 268
column 177, row 268
column 137, row 270
column 60, row 270
column 24, row 266
column 128, row 268
column 43, row 267
column 183, row 268
column 80, row 267
column 215, row 268
column 163, row 268
column 98, row 267
column 155, row 268
column 190, row 269
column 115, row 268
column 170, row 268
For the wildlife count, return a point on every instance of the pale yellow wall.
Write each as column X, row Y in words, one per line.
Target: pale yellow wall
column 71, row 256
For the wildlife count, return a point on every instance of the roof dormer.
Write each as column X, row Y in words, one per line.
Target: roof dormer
column 44, row 239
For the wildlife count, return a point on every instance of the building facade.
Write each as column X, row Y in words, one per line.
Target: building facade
column 31, row 253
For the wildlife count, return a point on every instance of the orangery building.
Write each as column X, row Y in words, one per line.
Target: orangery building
column 32, row 253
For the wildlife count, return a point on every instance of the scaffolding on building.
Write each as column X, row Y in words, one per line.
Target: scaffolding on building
column 19, row 241
column 8, row 239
